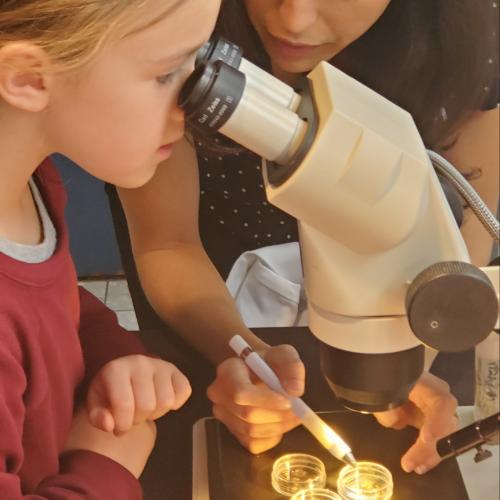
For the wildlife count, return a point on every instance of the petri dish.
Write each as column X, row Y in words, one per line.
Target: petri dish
column 316, row 494
column 297, row 471
column 365, row 481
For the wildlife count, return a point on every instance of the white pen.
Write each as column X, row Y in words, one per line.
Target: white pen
column 314, row 424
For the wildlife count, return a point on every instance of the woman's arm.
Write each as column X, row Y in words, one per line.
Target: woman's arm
column 476, row 149
column 188, row 293
column 176, row 274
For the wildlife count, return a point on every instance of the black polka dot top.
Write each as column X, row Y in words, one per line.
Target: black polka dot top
column 492, row 90
column 234, row 213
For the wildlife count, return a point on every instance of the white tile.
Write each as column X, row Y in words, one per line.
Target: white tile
column 97, row 288
column 118, row 297
column 128, row 320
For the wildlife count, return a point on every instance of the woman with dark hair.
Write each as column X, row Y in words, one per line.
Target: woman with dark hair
column 436, row 59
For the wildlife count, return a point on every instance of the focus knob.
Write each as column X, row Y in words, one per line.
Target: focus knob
column 452, row 306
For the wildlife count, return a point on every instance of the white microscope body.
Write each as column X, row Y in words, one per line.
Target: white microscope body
column 372, row 216
column 383, row 257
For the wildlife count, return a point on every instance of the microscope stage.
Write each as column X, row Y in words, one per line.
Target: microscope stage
column 233, row 473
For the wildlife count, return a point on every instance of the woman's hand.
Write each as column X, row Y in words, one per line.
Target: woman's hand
column 255, row 414
column 131, row 449
column 133, row 389
column 430, row 408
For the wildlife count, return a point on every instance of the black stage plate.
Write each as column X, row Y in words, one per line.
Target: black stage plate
column 235, row 474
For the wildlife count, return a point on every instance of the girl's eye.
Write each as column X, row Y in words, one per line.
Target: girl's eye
column 165, row 79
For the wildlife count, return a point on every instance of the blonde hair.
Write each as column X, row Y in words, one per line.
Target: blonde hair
column 71, row 32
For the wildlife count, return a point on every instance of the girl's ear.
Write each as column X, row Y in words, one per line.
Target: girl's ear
column 24, row 76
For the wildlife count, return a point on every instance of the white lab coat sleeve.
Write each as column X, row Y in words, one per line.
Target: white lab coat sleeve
column 267, row 286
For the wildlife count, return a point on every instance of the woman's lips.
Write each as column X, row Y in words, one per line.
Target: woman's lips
column 291, row 50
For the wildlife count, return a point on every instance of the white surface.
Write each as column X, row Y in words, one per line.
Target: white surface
column 487, row 387
column 482, row 479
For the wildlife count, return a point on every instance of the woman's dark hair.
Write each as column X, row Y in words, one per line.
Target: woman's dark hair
column 431, row 57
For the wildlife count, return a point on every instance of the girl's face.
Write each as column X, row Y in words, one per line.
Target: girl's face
column 298, row 34
column 118, row 116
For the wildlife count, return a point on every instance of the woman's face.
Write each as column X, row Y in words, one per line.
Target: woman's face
column 298, row 34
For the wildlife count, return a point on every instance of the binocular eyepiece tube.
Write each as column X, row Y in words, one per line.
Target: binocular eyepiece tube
column 218, row 97
column 220, row 49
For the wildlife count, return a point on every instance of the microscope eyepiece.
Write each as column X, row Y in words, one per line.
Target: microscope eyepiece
column 220, row 49
column 203, row 53
column 219, row 98
column 210, row 96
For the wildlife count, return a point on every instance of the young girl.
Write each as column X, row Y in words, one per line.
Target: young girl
column 434, row 58
column 98, row 82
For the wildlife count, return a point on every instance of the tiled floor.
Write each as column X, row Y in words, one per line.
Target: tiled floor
column 115, row 294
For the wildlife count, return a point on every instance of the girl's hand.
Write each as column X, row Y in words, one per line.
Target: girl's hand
column 131, row 449
column 133, row 389
column 430, row 408
column 255, row 414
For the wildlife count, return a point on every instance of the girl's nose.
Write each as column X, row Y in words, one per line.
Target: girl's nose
column 298, row 15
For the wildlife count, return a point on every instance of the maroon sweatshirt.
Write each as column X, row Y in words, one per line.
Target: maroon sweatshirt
column 54, row 336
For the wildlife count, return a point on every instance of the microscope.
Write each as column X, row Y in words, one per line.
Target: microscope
column 386, row 270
